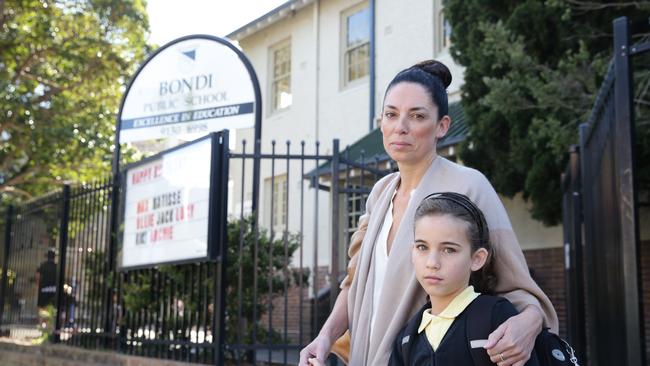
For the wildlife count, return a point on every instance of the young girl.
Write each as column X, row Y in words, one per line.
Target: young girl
column 452, row 258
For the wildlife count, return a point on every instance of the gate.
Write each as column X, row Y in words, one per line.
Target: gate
column 600, row 199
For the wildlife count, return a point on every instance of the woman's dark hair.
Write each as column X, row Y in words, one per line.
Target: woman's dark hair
column 462, row 208
column 434, row 77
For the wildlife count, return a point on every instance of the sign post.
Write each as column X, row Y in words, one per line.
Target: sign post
column 175, row 202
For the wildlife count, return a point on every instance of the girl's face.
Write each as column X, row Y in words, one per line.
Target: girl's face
column 409, row 124
column 442, row 257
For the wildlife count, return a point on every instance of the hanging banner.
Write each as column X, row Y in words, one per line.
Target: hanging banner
column 167, row 207
column 190, row 87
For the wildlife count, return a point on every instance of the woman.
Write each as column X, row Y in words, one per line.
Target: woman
column 381, row 292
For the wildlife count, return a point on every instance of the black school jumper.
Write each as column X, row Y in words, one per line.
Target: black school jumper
column 454, row 348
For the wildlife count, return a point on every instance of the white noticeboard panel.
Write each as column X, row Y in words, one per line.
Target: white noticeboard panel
column 166, row 208
column 187, row 89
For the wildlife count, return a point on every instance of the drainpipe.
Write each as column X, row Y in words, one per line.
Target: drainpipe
column 317, row 67
column 371, row 105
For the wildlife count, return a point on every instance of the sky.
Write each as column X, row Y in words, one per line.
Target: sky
column 171, row 19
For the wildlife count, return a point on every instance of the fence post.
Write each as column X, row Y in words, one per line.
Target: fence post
column 63, row 247
column 112, row 243
column 5, row 264
column 628, row 215
column 574, row 264
column 218, row 236
column 334, row 194
column 589, row 252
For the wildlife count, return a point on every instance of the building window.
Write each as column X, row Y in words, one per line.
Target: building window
column 356, row 43
column 443, row 32
column 356, row 208
column 281, row 76
column 279, row 215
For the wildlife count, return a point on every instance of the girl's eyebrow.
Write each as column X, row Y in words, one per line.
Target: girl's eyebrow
column 451, row 243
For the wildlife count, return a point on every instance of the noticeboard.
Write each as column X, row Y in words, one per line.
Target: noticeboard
column 167, row 210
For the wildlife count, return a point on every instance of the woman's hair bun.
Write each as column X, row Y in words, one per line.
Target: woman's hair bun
column 437, row 69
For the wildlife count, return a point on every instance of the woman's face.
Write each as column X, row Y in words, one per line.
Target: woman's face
column 409, row 124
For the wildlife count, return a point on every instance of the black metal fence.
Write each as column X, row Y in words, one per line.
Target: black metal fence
column 29, row 270
column 60, row 281
column 82, row 315
column 601, row 201
column 289, row 269
column 283, row 264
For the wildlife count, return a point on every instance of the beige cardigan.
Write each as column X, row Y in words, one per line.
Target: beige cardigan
column 401, row 294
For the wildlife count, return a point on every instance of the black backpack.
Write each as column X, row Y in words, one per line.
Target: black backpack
column 551, row 350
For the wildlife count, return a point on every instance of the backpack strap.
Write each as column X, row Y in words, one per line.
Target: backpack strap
column 410, row 332
column 479, row 327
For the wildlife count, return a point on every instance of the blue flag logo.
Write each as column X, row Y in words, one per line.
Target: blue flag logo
column 191, row 54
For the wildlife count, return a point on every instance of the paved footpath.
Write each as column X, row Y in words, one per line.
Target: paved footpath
column 23, row 353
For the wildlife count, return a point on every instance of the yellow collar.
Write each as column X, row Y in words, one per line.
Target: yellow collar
column 455, row 307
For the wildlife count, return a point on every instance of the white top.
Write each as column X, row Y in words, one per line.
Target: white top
column 381, row 258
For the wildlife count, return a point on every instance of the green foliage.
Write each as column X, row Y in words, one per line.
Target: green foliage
column 273, row 259
column 46, row 319
column 95, row 277
column 533, row 69
column 63, row 67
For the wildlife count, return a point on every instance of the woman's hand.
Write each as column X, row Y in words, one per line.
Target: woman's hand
column 315, row 362
column 335, row 325
column 316, row 352
column 513, row 341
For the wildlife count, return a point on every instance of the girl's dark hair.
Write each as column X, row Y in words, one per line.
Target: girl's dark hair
column 434, row 77
column 462, row 208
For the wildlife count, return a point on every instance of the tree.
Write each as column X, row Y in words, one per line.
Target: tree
column 63, row 67
column 533, row 69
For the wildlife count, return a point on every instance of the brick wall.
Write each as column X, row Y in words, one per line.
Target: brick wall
column 293, row 313
column 547, row 269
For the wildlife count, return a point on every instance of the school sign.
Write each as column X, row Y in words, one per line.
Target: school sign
column 188, row 88
column 172, row 210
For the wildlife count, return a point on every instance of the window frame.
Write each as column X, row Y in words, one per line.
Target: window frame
column 279, row 198
column 441, row 41
column 272, row 107
column 344, row 49
column 355, row 206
